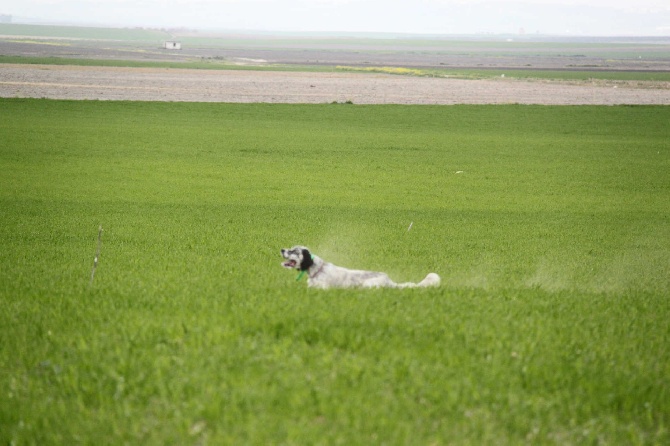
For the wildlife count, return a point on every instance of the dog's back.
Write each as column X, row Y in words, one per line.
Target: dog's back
column 339, row 277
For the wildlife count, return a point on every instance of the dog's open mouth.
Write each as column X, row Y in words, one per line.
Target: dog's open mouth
column 289, row 264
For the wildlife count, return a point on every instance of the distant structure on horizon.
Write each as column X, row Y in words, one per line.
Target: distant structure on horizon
column 5, row 18
column 172, row 45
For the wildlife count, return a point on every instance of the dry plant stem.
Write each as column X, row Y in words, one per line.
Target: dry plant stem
column 97, row 254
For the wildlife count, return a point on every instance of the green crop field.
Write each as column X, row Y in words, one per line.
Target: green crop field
column 560, row 75
column 84, row 32
column 550, row 227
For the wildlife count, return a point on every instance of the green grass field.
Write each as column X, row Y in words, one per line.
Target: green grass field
column 208, row 64
column 560, row 75
column 84, row 32
column 550, row 227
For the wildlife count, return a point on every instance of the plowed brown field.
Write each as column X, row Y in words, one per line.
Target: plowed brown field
column 159, row 84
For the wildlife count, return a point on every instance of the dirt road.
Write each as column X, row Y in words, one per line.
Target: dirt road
column 159, row 84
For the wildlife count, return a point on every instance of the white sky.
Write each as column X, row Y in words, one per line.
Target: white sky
column 578, row 17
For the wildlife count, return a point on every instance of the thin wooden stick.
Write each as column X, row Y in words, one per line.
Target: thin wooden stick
column 97, row 254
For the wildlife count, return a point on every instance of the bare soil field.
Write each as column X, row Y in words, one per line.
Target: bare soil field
column 162, row 84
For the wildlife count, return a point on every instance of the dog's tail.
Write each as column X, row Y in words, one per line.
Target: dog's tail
column 430, row 280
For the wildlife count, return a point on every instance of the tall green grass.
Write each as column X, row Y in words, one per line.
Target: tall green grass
column 548, row 225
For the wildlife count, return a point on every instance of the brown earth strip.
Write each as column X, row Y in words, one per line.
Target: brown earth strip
column 186, row 85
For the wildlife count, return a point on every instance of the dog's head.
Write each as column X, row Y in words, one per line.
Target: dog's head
column 297, row 257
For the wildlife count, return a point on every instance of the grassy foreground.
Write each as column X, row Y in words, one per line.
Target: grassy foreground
column 550, row 227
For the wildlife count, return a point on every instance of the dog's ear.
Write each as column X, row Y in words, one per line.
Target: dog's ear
column 306, row 260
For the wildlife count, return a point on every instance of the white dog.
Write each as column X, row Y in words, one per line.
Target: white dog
column 324, row 275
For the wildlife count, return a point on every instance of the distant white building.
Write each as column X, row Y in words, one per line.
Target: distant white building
column 172, row 45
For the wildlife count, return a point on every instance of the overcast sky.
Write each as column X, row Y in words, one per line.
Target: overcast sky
column 564, row 17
